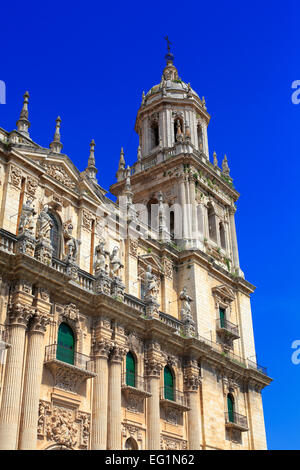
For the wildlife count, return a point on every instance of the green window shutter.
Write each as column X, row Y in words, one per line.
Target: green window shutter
column 130, row 370
column 65, row 344
column 168, row 384
column 222, row 317
column 230, row 407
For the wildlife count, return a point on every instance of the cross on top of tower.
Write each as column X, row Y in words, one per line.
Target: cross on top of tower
column 169, row 56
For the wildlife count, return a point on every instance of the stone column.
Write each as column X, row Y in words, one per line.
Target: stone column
column 194, row 225
column 11, row 395
column 191, row 382
column 153, row 407
column 32, row 382
column 100, row 395
column 234, row 245
column 182, row 203
column 114, row 398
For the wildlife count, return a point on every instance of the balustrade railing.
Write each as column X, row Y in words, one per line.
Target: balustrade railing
column 235, row 418
column 223, row 324
column 170, row 394
column 7, row 241
column 130, row 379
column 68, row 356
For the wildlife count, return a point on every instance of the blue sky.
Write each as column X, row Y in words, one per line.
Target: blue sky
column 89, row 63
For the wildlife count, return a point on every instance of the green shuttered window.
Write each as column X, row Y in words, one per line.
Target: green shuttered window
column 65, row 344
column 168, row 384
column 130, row 370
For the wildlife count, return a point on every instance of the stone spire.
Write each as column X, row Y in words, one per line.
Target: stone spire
column 23, row 124
column 56, row 144
column 225, row 166
column 121, row 169
column 91, row 169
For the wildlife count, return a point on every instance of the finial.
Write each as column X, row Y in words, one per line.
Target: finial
column 121, row 168
column 169, row 56
column 127, row 175
column 91, row 169
column 215, row 160
column 203, row 102
column 143, row 98
column 23, row 124
column 139, row 155
column 225, row 166
column 56, row 144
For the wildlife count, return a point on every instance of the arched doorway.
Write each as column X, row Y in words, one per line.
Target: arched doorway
column 131, row 444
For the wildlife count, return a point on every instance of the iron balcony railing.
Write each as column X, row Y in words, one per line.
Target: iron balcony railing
column 255, row 366
column 130, row 379
column 223, row 324
column 176, row 396
column 234, row 418
column 57, row 352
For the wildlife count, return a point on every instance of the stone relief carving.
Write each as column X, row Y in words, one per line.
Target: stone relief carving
column 71, row 243
column 135, row 403
column 133, row 246
column 64, row 426
column 100, row 264
column 59, row 173
column 87, row 219
column 171, row 415
column 115, row 263
column 31, row 186
column 168, row 443
column 151, row 284
column 15, row 176
column 71, row 312
column 168, row 268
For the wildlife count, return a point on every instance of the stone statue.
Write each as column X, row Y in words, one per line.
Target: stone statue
column 178, row 130
column 115, row 263
column 151, row 284
column 26, row 219
column 44, row 224
column 185, row 304
column 101, row 254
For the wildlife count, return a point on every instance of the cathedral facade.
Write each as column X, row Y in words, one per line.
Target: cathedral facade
column 126, row 324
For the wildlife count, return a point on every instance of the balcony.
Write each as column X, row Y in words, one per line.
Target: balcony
column 134, row 384
column 236, row 421
column 173, row 398
column 257, row 367
column 69, row 368
column 227, row 329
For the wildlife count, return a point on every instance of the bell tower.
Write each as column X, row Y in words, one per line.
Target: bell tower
column 187, row 200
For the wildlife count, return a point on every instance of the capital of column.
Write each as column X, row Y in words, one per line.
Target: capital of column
column 191, row 383
column 117, row 353
column 232, row 210
column 102, row 348
column 153, row 367
column 20, row 314
column 39, row 322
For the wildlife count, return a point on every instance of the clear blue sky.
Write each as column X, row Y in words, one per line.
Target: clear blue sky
column 90, row 61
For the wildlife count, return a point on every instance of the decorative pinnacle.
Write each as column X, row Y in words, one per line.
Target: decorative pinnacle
column 56, row 144
column 23, row 124
column 225, row 166
column 215, row 159
column 91, row 168
column 122, row 160
column 139, row 156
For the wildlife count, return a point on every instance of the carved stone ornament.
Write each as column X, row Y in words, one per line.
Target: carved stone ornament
column 71, row 312
column 134, row 402
column 192, row 382
column 15, row 176
column 39, row 322
column 66, row 376
column 64, row 426
column 26, row 224
column 87, row 219
column 153, row 367
column 58, row 172
column 117, row 353
column 20, row 314
column 168, row 268
column 133, row 246
column 31, row 186
column 169, row 443
column 101, row 348
column 171, row 415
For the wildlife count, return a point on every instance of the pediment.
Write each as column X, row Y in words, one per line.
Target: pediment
column 153, row 260
column 224, row 292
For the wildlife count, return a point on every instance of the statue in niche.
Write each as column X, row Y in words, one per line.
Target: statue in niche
column 70, row 242
column 44, row 224
column 26, row 218
column 151, row 284
column 185, row 304
column 115, row 263
column 101, row 254
column 179, row 136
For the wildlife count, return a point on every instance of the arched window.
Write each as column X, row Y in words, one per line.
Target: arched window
column 154, row 134
column 222, row 313
column 65, row 344
column 55, row 234
column 131, row 444
column 222, row 236
column 230, row 408
column 212, row 230
column 168, row 384
column 142, row 290
column 172, row 224
column 130, row 370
